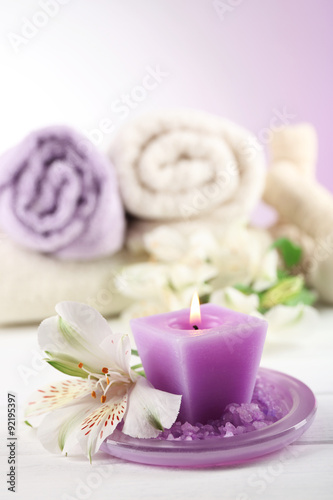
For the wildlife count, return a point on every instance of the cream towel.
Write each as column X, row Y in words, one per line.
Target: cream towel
column 184, row 164
column 31, row 283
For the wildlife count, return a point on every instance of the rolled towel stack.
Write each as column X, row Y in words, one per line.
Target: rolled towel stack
column 60, row 204
column 175, row 166
column 60, row 197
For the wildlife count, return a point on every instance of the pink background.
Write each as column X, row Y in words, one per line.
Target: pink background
column 262, row 56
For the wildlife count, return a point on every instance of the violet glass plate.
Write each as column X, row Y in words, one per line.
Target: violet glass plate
column 298, row 399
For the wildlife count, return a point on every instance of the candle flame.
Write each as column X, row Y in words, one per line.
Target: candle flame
column 195, row 314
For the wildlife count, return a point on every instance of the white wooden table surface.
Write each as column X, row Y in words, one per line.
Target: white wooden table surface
column 304, row 470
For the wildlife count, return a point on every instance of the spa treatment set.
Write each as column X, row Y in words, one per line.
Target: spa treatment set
column 197, row 398
column 136, row 235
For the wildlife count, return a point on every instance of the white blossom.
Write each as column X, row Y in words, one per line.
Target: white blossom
column 104, row 390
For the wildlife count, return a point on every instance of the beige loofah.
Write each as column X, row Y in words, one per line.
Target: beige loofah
column 304, row 206
column 297, row 144
column 299, row 200
column 320, row 277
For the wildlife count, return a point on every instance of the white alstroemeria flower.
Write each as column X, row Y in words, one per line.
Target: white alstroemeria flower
column 266, row 276
column 234, row 299
column 288, row 323
column 106, row 391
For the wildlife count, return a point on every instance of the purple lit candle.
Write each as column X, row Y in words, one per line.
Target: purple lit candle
column 210, row 359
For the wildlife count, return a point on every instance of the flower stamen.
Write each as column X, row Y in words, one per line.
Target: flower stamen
column 80, row 365
column 100, row 383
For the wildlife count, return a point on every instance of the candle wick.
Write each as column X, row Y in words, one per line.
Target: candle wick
column 195, row 327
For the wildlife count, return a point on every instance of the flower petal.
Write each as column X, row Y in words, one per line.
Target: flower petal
column 236, row 300
column 165, row 243
column 58, row 395
column 67, row 364
column 288, row 323
column 117, row 349
column 267, row 274
column 142, row 280
column 55, row 338
column 100, row 423
column 149, row 410
column 203, row 244
column 50, row 338
column 182, row 275
column 90, row 325
column 58, row 431
column 77, row 336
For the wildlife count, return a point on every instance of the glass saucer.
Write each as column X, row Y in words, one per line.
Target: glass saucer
column 297, row 397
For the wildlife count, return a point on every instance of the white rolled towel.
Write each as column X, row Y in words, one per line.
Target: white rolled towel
column 185, row 164
column 32, row 283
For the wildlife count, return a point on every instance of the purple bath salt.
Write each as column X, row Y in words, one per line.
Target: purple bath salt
column 267, row 406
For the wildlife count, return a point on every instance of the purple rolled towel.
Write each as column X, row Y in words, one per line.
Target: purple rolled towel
column 59, row 195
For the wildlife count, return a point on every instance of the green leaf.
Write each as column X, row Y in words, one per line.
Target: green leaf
column 282, row 273
column 305, row 296
column 27, row 423
column 134, row 352
column 280, row 293
column 291, row 253
column 204, row 299
column 246, row 289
